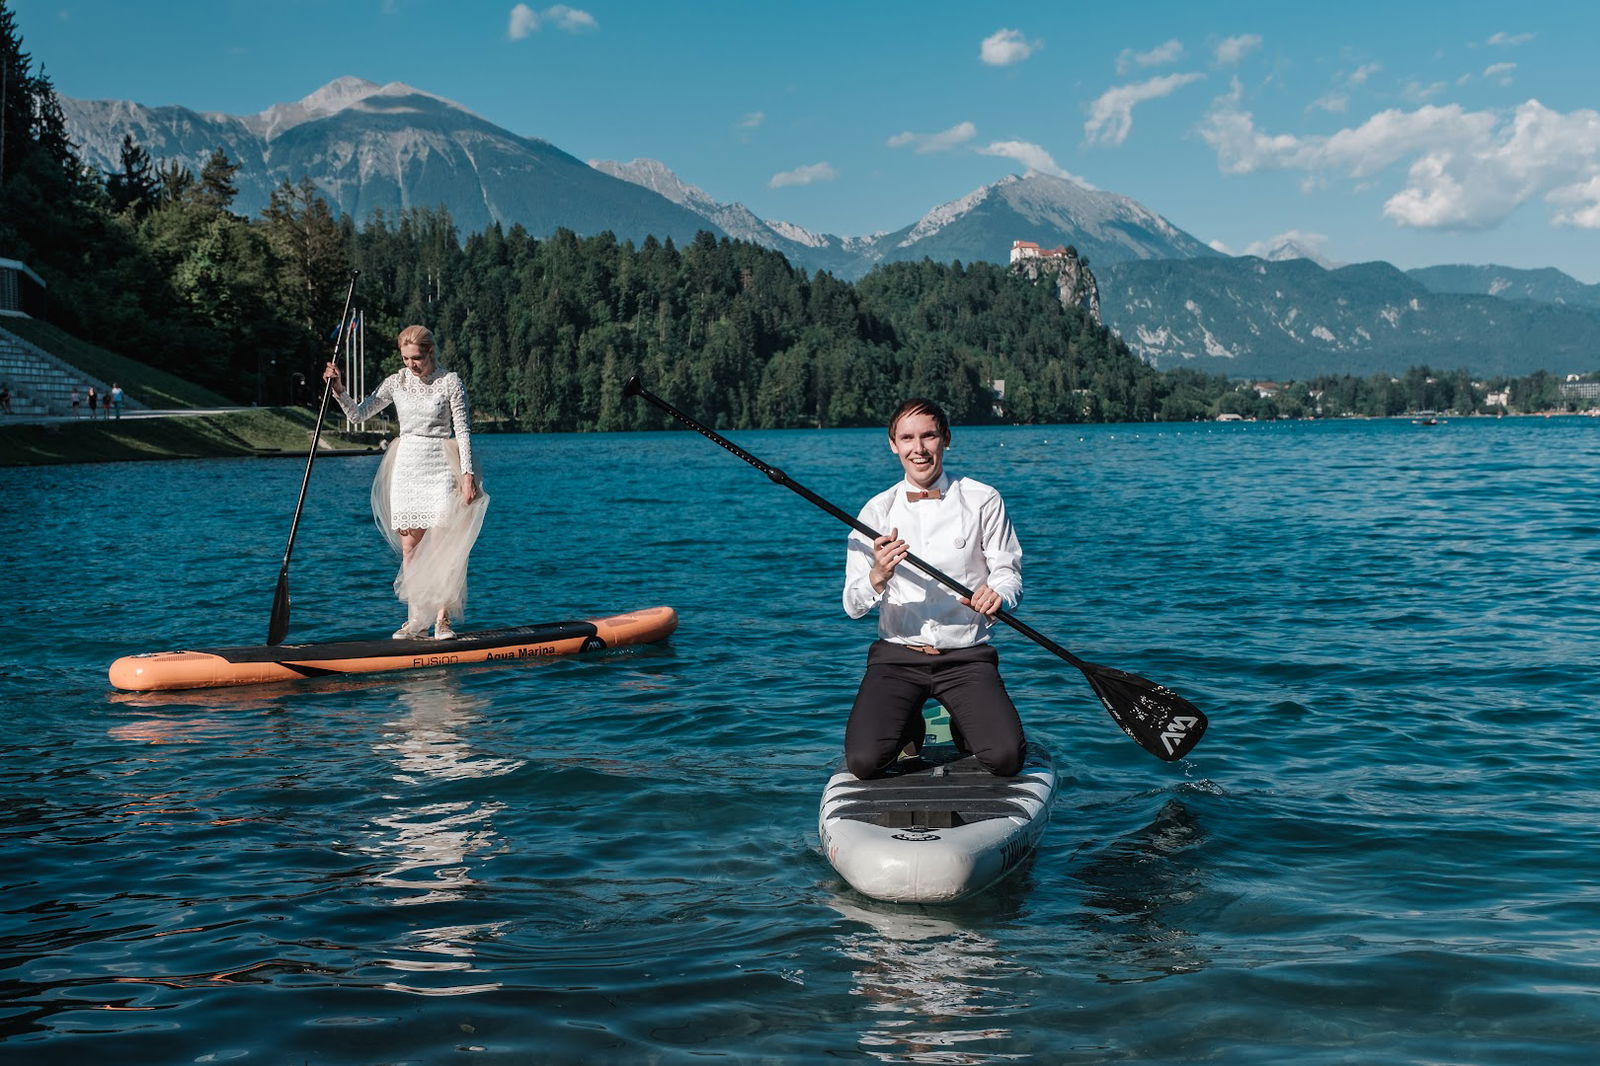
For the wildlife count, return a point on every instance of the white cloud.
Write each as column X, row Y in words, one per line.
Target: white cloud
column 1160, row 55
column 525, row 20
column 1233, row 49
column 571, row 19
column 1362, row 74
column 944, row 141
column 1029, row 155
column 1580, row 202
column 752, row 120
column 1111, row 116
column 1336, row 101
column 1005, row 47
column 1418, row 93
column 1509, row 40
column 806, row 175
column 1465, row 169
column 1500, row 72
column 1032, row 157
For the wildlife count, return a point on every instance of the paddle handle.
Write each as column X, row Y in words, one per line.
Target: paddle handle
column 634, row 388
column 278, row 625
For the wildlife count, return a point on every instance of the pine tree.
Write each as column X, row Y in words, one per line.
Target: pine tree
column 175, row 183
column 216, row 181
column 133, row 188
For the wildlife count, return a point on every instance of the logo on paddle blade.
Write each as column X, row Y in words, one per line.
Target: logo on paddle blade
column 1177, row 732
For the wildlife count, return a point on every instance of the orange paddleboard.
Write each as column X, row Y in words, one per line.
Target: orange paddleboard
column 214, row 667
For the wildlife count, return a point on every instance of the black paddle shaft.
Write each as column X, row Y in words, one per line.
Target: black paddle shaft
column 1158, row 719
column 278, row 625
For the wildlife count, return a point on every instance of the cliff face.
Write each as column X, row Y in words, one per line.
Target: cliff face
column 1074, row 280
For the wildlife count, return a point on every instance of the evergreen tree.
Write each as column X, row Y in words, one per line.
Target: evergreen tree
column 174, row 183
column 133, row 188
column 312, row 251
column 216, row 188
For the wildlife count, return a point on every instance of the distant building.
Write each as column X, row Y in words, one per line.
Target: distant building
column 1267, row 389
column 1021, row 250
column 22, row 292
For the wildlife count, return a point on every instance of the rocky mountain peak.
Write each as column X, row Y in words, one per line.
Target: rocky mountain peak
column 656, row 176
column 1286, row 248
column 341, row 94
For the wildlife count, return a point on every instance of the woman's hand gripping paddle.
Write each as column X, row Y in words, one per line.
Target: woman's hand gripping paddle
column 1158, row 719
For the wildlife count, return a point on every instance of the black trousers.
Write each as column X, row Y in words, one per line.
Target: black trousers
column 888, row 710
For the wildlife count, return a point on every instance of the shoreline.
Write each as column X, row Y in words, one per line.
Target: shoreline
column 203, row 433
column 285, row 432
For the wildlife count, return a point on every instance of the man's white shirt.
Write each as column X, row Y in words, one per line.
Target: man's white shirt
column 965, row 533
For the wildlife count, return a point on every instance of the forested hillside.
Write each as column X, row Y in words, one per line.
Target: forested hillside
column 546, row 332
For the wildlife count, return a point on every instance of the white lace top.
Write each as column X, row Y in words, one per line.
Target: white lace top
column 427, row 407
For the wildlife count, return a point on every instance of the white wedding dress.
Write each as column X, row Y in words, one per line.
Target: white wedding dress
column 418, row 487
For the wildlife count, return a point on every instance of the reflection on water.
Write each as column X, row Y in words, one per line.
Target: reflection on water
column 448, row 949
column 1133, row 884
column 934, row 989
column 434, row 844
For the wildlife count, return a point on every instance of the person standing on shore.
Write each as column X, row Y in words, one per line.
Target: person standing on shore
column 94, row 403
column 932, row 644
column 426, row 498
column 116, row 398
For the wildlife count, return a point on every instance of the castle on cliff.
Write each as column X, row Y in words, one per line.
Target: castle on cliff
column 1074, row 282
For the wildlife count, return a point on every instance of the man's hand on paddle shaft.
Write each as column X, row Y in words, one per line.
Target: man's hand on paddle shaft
column 984, row 600
column 888, row 552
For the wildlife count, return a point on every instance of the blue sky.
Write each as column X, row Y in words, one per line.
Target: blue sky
column 1420, row 133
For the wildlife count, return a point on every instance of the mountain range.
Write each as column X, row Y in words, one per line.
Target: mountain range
column 386, row 148
column 1174, row 299
column 1292, row 320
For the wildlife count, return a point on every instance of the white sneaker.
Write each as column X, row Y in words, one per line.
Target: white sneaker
column 442, row 630
column 410, row 631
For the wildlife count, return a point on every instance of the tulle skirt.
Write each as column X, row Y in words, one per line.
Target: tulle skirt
column 418, row 487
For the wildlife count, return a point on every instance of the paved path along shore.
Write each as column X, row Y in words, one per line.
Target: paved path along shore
column 144, row 412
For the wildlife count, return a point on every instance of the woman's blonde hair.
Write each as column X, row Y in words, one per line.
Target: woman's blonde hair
column 421, row 336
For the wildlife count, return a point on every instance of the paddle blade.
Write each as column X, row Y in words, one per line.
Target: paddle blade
column 278, row 627
column 1158, row 719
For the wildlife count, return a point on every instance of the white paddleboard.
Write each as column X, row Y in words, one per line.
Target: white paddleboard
column 937, row 827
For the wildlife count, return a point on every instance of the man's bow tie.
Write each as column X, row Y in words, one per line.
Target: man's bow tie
column 922, row 494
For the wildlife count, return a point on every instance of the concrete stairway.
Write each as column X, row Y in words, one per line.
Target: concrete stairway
column 42, row 384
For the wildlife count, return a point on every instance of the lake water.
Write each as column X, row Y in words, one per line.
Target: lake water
column 1386, row 851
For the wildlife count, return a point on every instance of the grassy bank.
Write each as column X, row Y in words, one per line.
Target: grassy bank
column 151, row 387
column 264, row 431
